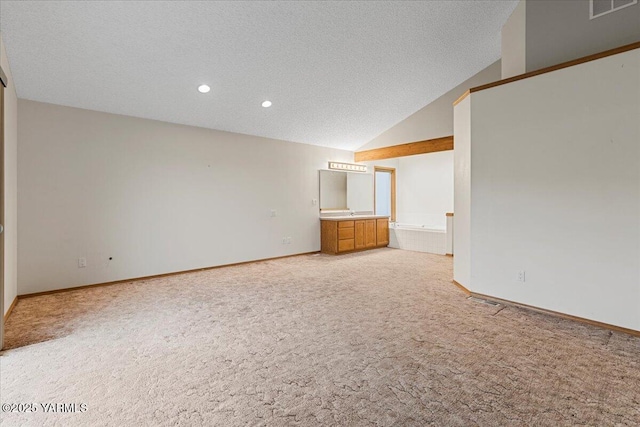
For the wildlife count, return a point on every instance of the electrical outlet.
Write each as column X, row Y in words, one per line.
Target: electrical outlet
column 521, row 276
column 82, row 262
column 274, row 213
column 288, row 240
column 314, row 202
column 284, row 240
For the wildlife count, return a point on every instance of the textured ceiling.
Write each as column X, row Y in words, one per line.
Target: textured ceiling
column 338, row 73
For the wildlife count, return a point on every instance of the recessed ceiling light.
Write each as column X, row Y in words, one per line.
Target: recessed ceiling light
column 203, row 88
column 266, row 104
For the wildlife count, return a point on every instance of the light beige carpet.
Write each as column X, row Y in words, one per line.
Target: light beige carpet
column 374, row 338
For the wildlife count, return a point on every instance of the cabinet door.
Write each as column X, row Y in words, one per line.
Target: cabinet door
column 370, row 233
column 329, row 237
column 382, row 231
column 359, row 234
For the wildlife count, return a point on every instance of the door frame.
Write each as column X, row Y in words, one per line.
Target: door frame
column 392, row 171
column 3, row 84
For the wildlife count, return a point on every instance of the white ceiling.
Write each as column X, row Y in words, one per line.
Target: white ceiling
column 338, row 73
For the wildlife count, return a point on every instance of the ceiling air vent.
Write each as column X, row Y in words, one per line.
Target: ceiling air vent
column 598, row 8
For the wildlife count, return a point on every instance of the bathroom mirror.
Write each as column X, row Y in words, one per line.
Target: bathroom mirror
column 346, row 191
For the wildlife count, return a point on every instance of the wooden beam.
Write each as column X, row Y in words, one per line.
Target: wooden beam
column 410, row 149
column 556, row 67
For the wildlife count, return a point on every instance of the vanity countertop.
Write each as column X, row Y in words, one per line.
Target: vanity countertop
column 351, row 217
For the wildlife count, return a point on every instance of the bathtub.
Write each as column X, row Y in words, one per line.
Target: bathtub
column 417, row 238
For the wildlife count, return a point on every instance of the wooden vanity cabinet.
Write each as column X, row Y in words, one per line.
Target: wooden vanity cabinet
column 365, row 234
column 339, row 236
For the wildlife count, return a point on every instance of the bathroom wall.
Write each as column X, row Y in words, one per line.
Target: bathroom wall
column 424, row 188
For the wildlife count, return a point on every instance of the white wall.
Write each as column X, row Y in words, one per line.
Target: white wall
column 436, row 119
column 555, row 190
column 387, row 163
column 425, row 189
column 542, row 33
column 155, row 196
column 449, row 243
column 514, row 59
column 462, row 192
column 560, row 30
column 10, row 185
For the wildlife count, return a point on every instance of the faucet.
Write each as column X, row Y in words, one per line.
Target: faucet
column 352, row 212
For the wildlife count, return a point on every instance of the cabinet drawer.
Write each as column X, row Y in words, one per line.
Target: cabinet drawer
column 345, row 224
column 346, row 245
column 345, row 233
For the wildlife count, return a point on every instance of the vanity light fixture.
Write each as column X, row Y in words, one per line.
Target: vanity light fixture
column 203, row 88
column 266, row 104
column 349, row 167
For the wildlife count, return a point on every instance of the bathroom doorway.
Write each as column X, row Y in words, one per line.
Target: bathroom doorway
column 385, row 191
